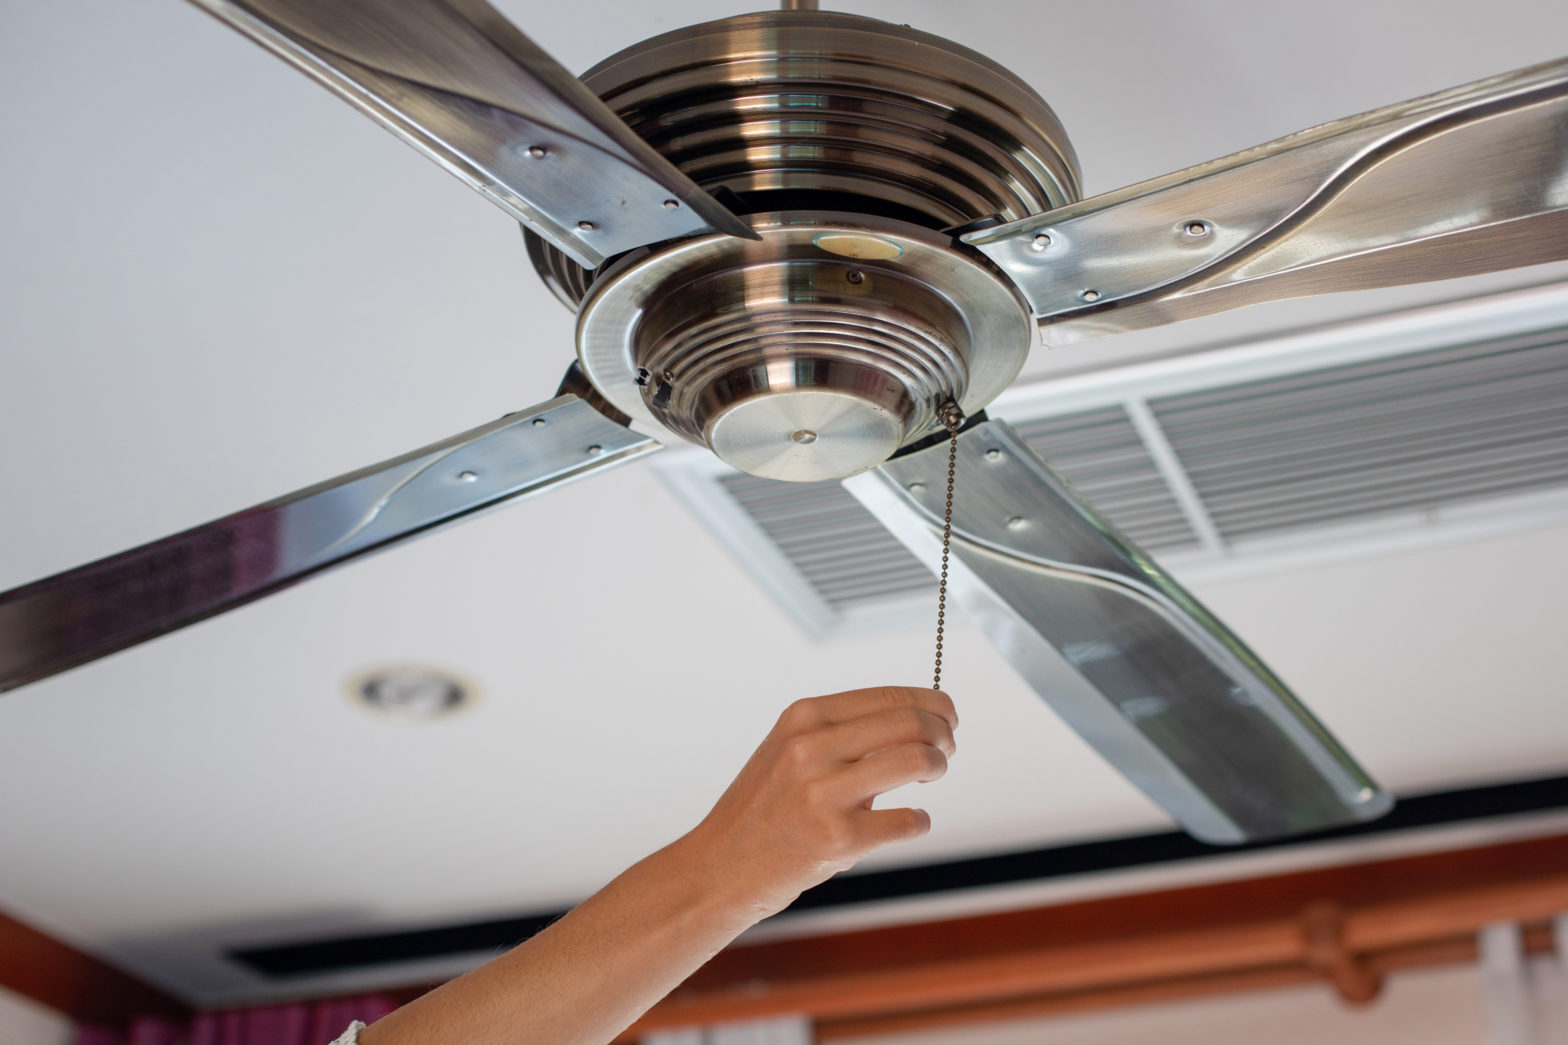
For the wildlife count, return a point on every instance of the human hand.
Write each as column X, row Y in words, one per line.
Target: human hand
column 801, row 809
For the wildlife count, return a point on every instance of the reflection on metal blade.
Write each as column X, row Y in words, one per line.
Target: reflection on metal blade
column 464, row 86
column 91, row 611
column 1466, row 181
column 1126, row 656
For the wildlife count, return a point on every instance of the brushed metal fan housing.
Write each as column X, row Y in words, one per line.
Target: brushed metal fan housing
column 848, row 145
column 812, row 352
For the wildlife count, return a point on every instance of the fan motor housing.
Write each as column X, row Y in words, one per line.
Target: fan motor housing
column 849, row 145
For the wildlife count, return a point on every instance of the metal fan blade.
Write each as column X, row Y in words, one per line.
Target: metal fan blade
column 1127, row 657
column 1470, row 180
column 460, row 83
column 89, row 612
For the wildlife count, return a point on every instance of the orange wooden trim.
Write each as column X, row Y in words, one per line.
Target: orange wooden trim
column 1458, row 951
column 1323, row 926
column 1066, row 1004
column 1144, row 942
column 74, row 984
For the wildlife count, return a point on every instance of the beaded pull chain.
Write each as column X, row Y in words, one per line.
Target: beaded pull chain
column 953, row 418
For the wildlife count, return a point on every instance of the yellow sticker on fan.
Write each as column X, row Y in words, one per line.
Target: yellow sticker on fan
column 861, row 246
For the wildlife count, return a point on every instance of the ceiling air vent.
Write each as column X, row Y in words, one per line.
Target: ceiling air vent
column 1437, row 425
column 1414, row 432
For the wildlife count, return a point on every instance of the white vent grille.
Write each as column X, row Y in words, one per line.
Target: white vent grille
column 1429, row 426
column 1416, row 432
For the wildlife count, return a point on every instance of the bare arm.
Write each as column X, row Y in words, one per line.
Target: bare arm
column 798, row 812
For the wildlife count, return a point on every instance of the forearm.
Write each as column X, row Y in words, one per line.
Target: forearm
column 800, row 811
column 588, row 976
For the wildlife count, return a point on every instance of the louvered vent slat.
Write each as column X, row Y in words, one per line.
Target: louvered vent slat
column 1290, row 423
column 1417, row 457
column 1523, row 424
column 848, row 558
column 1379, row 375
column 1402, row 490
column 1413, row 432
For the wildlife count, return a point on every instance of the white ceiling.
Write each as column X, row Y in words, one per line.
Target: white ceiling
column 221, row 284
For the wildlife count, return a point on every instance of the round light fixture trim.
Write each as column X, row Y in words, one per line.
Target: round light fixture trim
column 412, row 693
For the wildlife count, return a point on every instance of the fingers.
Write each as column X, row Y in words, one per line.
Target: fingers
column 905, row 764
column 880, row 730
column 816, row 712
column 899, row 737
column 801, row 808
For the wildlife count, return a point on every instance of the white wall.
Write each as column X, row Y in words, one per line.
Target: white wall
column 25, row 1022
column 1432, row 1007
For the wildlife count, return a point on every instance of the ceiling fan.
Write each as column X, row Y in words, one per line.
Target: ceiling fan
column 796, row 237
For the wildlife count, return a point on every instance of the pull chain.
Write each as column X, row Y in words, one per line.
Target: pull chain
column 953, row 418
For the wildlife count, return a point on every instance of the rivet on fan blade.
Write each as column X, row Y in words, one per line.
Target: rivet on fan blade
column 1090, row 295
column 538, row 152
column 1197, row 228
column 540, row 422
column 804, row 436
column 595, row 450
column 671, row 204
column 1017, row 522
column 993, row 454
column 586, row 226
column 467, row 477
column 1040, row 242
column 917, row 487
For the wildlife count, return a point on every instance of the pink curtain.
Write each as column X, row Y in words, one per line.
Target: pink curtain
column 303, row 1023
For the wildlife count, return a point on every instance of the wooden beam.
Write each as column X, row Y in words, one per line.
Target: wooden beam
column 1200, row 938
column 75, row 984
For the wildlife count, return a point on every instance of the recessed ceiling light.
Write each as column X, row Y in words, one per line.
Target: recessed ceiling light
column 412, row 692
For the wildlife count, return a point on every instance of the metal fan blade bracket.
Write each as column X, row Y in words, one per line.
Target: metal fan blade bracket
column 465, row 87
column 94, row 610
column 1466, row 181
column 1128, row 659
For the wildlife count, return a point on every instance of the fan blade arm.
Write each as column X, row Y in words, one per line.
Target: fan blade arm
column 80, row 615
column 1466, row 181
column 1129, row 659
column 464, row 86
